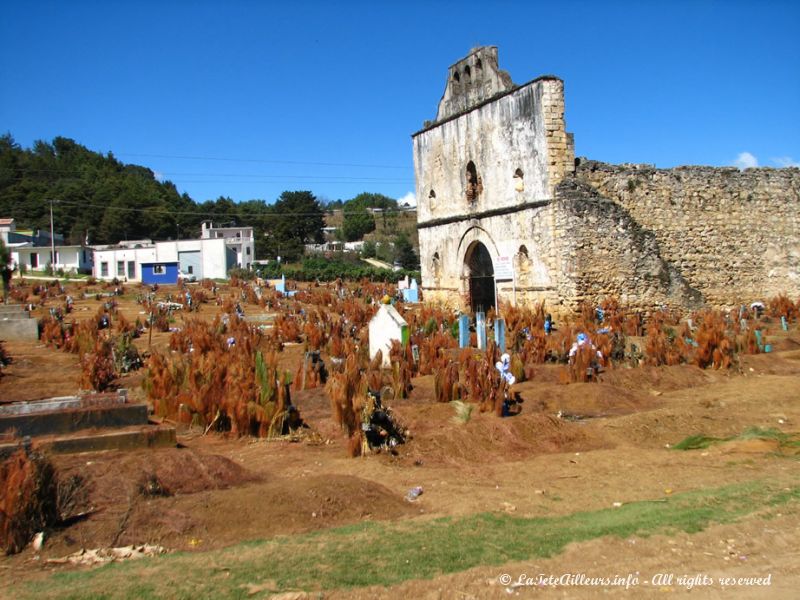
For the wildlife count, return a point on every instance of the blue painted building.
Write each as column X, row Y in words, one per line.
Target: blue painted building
column 165, row 273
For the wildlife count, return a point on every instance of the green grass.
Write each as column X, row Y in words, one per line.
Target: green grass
column 389, row 553
column 786, row 441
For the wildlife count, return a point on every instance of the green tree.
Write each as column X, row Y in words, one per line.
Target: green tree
column 359, row 219
column 369, row 249
column 404, row 252
column 296, row 219
column 384, row 251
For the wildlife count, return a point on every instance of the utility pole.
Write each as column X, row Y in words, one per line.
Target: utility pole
column 52, row 240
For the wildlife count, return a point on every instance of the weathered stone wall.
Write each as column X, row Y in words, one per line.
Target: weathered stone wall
column 499, row 138
column 604, row 252
column 470, row 81
column 731, row 235
column 560, row 144
column 526, row 236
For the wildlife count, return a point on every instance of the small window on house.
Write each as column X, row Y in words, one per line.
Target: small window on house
column 158, row 269
column 190, row 270
column 120, row 268
column 103, row 269
column 247, row 251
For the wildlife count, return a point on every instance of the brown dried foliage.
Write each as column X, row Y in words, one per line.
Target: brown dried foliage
column 445, row 383
column 28, row 499
column 98, row 370
column 663, row 346
column 715, row 346
column 346, row 391
column 211, row 384
column 782, row 306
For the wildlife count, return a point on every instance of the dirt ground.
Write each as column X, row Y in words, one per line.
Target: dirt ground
column 577, row 447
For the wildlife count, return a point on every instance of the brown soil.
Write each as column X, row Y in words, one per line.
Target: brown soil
column 611, row 443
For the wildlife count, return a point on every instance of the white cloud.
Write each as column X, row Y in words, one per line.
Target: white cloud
column 409, row 199
column 745, row 160
column 158, row 175
column 786, row 161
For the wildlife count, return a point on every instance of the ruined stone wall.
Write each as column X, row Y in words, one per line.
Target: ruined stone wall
column 604, row 253
column 560, row 143
column 730, row 235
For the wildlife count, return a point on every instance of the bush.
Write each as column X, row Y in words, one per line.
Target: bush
column 28, row 499
column 321, row 269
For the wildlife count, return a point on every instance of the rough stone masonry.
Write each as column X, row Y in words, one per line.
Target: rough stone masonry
column 506, row 212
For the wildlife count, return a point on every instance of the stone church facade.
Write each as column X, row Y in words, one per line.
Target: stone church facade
column 505, row 212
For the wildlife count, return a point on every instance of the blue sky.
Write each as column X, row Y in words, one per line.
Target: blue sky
column 247, row 99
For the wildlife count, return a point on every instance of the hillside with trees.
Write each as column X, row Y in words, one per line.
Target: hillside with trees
column 99, row 197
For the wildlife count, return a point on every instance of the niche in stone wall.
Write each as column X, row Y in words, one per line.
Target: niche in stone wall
column 519, row 180
column 436, row 268
column 523, row 261
column 432, row 199
column 467, row 74
column 456, row 76
column 474, row 183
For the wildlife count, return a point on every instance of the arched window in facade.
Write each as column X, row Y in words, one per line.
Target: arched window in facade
column 523, row 261
column 519, row 180
column 474, row 183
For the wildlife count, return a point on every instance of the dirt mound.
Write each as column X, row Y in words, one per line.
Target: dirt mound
column 487, row 438
column 115, row 476
column 216, row 519
column 781, row 363
column 584, row 399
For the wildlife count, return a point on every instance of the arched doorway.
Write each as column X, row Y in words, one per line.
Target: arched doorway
column 480, row 270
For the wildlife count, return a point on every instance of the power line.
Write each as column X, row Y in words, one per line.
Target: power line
column 159, row 210
column 269, row 178
column 258, row 160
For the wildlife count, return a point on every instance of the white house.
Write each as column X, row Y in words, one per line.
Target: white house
column 75, row 259
column 32, row 250
column 210, row 257
column 239, row 239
